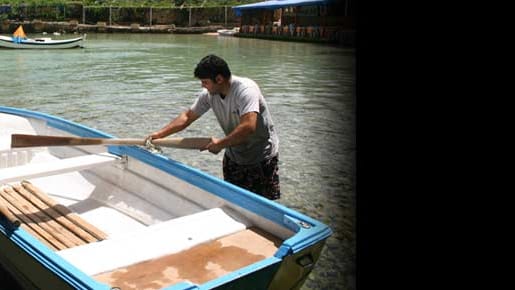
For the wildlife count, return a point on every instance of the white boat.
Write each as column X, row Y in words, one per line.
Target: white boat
column 20, row 40
column 107, row 216
column 228, row 32
column 40, row 43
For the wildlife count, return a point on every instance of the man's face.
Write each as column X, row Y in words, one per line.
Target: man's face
column 213, row 87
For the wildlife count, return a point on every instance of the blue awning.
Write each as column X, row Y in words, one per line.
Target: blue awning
column 276, row 4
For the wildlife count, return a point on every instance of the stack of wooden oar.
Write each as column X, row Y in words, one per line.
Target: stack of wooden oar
column 52, row 223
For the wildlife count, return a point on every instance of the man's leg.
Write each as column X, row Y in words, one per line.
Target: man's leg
column 270, row 169
column 261, row 178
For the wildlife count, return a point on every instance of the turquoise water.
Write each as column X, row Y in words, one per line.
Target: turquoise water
column 130, row 85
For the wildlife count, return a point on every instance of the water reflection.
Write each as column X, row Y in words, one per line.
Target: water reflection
column 131, row 84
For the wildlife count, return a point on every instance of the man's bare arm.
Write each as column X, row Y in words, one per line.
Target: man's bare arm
column 239, row 135
column 178, row 124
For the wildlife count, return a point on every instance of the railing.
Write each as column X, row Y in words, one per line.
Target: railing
column 291, row 32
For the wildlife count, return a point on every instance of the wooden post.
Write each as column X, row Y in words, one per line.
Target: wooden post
column 150, row 17
column 110, row 10
column 83, row 14
column 189, row 21
column 225, row 7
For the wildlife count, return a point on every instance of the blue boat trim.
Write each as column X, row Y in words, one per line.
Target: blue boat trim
column 308, row 231
column 52, row 261
column 182, row 286
column 57, row 122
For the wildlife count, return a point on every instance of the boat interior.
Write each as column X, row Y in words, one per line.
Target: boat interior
column 122, row 221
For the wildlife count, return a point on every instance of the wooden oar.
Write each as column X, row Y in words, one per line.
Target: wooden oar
column 7, row 214
column 23, row 140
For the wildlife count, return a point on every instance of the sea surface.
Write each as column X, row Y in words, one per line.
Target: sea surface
column 129, row 85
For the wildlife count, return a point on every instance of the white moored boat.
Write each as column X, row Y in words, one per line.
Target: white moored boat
column 20, row 40
column 228, row 32
column 106, row 216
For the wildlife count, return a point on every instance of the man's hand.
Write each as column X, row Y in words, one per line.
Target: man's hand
column 214, row 146
column 150, row 146
column 148, row 139
column 151, row 137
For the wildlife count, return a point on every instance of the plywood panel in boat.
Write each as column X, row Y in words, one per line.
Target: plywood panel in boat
column 198, row 264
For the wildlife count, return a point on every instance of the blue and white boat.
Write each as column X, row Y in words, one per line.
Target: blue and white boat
column 40, row 43
column 20, row 40
column 121, row 217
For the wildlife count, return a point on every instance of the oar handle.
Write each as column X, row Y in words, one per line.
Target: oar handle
column 8, row 215
column 185, row 143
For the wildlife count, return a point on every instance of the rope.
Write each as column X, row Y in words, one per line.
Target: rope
column 152, row 147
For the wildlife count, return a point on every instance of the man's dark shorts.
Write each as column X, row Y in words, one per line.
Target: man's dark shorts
column 261, row 178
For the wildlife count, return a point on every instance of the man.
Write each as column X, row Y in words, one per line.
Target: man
column 251, row 143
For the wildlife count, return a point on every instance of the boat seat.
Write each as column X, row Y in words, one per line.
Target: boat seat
column 161, row 239
column 33, row 170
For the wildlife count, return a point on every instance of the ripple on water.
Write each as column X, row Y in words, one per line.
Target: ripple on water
column 130, row 85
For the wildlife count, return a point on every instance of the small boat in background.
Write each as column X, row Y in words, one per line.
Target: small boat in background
column 121, row 217
column 228, row 32
column 20, row 40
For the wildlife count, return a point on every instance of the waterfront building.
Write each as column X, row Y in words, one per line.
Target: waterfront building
column 309, row 20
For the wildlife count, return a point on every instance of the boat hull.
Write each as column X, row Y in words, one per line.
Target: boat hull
column 228, row 32
column 40, row 43
column 36, row 266
column 29, row 272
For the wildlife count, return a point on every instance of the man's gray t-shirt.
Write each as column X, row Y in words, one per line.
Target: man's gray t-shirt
column 244, row 96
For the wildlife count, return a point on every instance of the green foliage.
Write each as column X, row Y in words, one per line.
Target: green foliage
column 132, row 3
column 58, row 10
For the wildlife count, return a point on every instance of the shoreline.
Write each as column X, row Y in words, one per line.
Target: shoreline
column 345, row 38
column 38, row 26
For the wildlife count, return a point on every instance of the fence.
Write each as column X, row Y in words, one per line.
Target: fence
column 182, row 17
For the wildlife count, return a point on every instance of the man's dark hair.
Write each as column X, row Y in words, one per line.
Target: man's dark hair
column 210, row 66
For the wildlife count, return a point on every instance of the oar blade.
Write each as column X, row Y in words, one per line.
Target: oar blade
column 24, row 140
